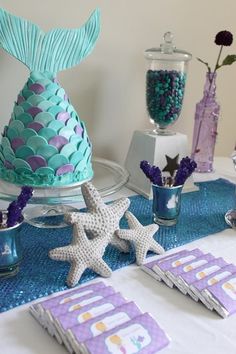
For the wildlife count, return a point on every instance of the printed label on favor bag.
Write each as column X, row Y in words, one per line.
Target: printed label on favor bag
column 94, row 312
column 194, row 265
column 108, row 323
column 131, row 339
column 75, row 296
column 218, row 277
column 230, row 288
column 182, row 260
column 84, row 302
column 207, row 271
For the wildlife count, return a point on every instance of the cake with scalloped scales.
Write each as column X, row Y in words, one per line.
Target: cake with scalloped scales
column 45, row 142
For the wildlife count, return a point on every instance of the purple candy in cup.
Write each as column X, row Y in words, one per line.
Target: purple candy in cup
column 58, row 141
column 35, row 126
column 37, row 88
column 33, row 111
column 17, row 142
column 63, row 116
column 36, row 161
column 65, row 169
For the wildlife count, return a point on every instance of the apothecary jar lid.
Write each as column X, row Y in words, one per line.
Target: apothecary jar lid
column 167, row 51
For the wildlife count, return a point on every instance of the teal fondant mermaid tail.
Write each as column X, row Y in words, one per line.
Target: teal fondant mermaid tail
column 45, row 143
column 56, row 50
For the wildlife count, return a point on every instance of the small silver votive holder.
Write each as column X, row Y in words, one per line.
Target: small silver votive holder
column 10, row 249
column 166, row 204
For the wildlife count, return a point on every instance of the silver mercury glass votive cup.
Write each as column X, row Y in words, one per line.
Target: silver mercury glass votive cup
column 10, row 249
column 166, row 204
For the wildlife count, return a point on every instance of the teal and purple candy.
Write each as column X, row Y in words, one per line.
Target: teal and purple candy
column 164, row 95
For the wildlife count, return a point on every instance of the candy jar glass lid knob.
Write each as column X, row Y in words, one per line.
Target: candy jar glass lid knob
column 167, row 47
column 167, row 51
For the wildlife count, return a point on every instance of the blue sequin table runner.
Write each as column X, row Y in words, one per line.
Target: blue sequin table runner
column 202, row 214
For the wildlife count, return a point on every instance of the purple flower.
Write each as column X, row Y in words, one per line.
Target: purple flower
column 224, row 38
column 153, row 173
column 186, row 168
column 14, row 210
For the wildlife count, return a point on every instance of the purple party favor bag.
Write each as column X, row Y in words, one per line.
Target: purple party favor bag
column 142, row 334
column 101, row 324
column 39, row 308
column 92, row 310
column 222, row 295
column 179, row 259
column 204, row 277
column 177, row 275
column 68, row 308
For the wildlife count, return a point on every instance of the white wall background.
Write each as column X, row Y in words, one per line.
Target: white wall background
column 108, row 88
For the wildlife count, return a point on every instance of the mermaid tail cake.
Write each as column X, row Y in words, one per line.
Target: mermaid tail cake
column 45, row 143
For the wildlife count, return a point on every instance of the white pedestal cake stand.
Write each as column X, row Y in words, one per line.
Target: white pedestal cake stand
column 108, row 178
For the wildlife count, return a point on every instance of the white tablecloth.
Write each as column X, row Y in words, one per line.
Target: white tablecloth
column 192, row 328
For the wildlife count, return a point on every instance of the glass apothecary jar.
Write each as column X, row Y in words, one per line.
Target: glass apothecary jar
column 165, row 83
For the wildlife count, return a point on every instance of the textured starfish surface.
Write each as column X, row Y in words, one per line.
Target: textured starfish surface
column 101, row 220
column 141, row 236
column 82, row 253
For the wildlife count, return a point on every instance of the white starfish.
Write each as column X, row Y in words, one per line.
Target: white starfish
column 142, row 237
column 82, row 253
column 101, row 220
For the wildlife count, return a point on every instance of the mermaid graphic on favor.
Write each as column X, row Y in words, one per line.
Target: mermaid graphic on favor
column 115, row 339
column 137, row 342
